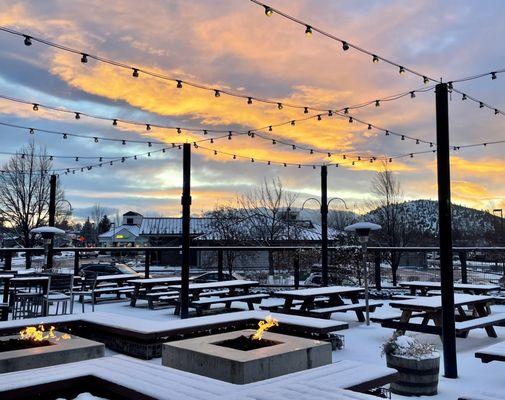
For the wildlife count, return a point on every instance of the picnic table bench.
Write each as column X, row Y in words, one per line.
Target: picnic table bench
column 496, row 352
column 323, row 301
column 236, row 290
column 430, row 309
column 152, row 289
column 424, row 287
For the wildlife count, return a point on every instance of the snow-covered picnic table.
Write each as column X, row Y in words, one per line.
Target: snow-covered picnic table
column 469, row 288
column 477, row 315
column 323, row 301
column 151, row 289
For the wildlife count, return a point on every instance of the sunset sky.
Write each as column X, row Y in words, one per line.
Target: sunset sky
column 231, row 44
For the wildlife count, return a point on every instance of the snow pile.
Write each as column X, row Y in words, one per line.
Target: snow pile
column 408, row 347
column 86, row 396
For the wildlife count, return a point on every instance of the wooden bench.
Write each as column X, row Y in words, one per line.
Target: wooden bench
column 358, row 308
column 250, row 299
column 487, row 322
column 496, row 352
column 393, row 317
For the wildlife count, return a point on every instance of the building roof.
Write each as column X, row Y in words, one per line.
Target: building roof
column 131, row 213
column 133, row 229
column 173, row 226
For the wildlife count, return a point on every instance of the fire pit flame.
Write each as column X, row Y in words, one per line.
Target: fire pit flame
column 264, row 326
column 39, row 334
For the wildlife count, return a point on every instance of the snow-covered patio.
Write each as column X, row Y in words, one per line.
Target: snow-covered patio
column 362, row 344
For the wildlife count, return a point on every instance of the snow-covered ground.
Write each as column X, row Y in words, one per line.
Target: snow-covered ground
column 363, row 344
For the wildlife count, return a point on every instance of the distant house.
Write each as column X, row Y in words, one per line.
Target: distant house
column 137, row 230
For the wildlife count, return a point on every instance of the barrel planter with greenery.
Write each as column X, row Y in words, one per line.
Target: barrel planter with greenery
column 417, row 364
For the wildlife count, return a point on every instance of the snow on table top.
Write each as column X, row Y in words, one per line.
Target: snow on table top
column 146, row 326
column 167, row 383
column 435, row 302
column 319, row 291
column 157, row 280
column 462, row 286
column 116, row 277
column 497, row 349
column 220, row 284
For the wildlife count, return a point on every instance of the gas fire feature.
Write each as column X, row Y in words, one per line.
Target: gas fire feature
column 37, row 347
column 237, row 357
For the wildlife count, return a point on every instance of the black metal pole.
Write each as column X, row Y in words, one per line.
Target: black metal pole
column 76, row 262
column 220, row 265
column 324, row 224
column 464, row 269
column 52, row 215
column 186, row 215
column 378, row 278
column 445, row 232
column 147, row 264
column 296, row 268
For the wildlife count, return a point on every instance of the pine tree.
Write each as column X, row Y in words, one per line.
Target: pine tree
column 88, row 232
column 104, row 225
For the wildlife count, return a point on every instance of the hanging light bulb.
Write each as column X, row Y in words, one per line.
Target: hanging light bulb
column 387, row 133
column 403, row 137
column 217, row 93
column 293, row 147
column 122, row 159
column 279, row 106
column 148, row 127
column 84, row 58
column 390, row 160
column 493, row 75
column 77, row 115
column 215, row 152
column 268, row 163
column 359, row 158
column 293, row 123
column 308, row 30
column 163, row 150
column 205, row 131
column 268, row 11
column 329, row 155
column 100, row 159
column 249, row 100
column 28, row 40
column 417, row 141
column 330, row 113
column 463, row 97
column 252, row 160
column 211, row 140
column 135, row 73
column 76, row 159
column 234, row 157
column 319, row 117
column 229, row 135
column 401, row 70
column 496, row 111
column 35, row 107
column 351, row 120
column 426, row 80
column 270, row 128
column 481, row 104
column 311, row 151
column 123, row 142
column 305, row 110
column 135, row 157
column 411, row 155
column 377, row 103
column 299, row 166
column 285, row 165
column 32, row 131
column 431, row 144
column 412, row 95
column 179, row 131
column 96, row 140
column 64, row 136
column 114, row 122
column 274, row 141
column 375, row 59
column 149, row 144
column 344, row 157
column 346, row 110
column 369, row 126
column 179, row 85
column 345, row 46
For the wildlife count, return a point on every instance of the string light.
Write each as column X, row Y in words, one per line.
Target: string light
column 179, row 84
column 279, row 106
column 32, row 131
column 401, row 70
column 84, row 58
column 35, row 107
column 249, row 100
column 135, row 73
column 375, row 59
column 28, row 40
column 268, row 11
column 217, row 93
column 77, row 115
column 114, row 122
column 308, row 30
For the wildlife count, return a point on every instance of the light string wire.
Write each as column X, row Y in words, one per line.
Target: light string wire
column 346, row 45
column 482, row 104
column 252, row 132
column 179, row 82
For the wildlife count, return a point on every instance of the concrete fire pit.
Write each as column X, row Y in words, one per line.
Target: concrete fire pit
column 58, row 352
column 209, row 357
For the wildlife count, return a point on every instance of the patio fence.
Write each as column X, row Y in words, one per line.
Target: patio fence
column 290, row 265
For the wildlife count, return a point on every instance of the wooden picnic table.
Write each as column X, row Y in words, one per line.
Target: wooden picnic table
column 334, row 295
column 430, row 309
column 116, row 278
column 232, row 286
column 425, row 286
column 144, row 286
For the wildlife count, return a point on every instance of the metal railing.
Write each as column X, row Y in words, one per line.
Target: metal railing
column 471, row 264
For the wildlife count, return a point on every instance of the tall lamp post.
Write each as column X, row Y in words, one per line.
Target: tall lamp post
column 362, row 229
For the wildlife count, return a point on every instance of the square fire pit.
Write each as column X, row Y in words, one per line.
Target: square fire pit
column 228, row 357
column 52, row 353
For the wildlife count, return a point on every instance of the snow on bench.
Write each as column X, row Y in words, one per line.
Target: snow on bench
column 496, row 352
column 346, row 307
column 146, row 327
column 482, row 322
column 324, row 383
column 483, row 396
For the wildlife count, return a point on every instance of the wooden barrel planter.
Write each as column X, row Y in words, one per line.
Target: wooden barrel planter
column 416, row 377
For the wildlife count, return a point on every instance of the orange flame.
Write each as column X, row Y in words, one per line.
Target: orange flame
column 38, row 334
column 264, row 326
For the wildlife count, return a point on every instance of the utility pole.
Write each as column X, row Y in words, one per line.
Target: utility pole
column 52, row 217
column 186, row 215
column 324, row 224
column 445, row 232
